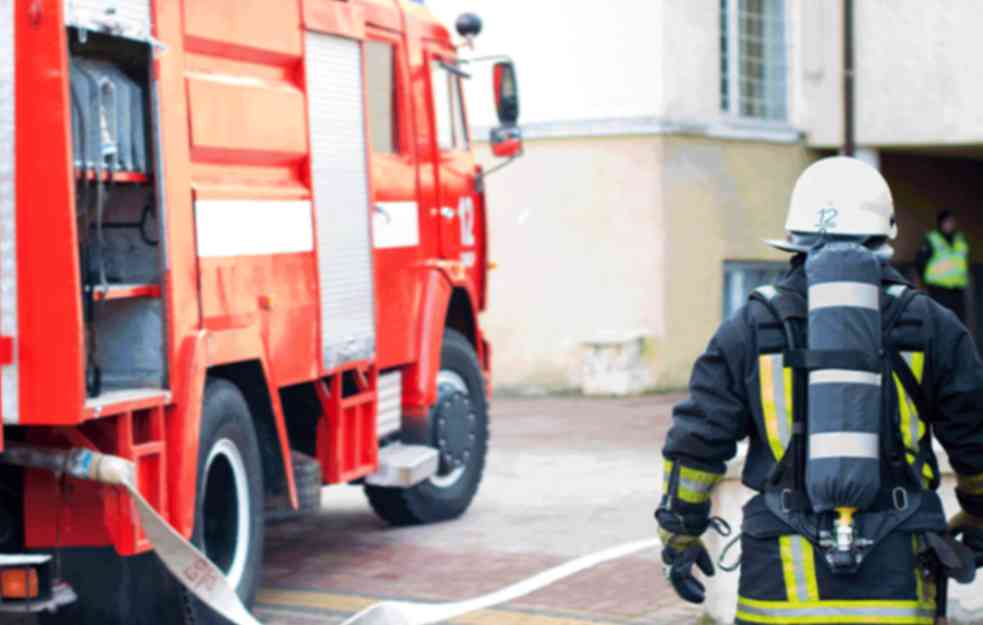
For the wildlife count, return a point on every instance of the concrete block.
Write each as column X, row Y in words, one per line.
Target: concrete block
column 614, row 364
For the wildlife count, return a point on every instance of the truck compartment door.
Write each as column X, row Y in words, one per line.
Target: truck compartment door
column 339, row 171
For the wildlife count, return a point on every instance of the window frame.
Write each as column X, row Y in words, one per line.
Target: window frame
column 732, row 55
column 402, row 117
column 729, row 266
column 437, row 62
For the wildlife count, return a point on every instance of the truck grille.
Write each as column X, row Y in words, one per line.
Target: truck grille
column 9, row 405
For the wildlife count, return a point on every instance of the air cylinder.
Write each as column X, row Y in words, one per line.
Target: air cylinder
column 844, row 420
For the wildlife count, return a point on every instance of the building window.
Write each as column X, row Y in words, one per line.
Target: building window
column 754, row 59
column 380, row 88
column 452, row 133
column 741, row 278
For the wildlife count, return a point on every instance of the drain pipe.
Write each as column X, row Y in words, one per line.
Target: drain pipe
column 849, row 131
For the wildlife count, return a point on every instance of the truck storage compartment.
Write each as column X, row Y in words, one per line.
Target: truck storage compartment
column 117, row 211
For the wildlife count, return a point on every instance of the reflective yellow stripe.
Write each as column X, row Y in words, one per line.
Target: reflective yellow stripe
column 776, row 402
column 912, row 427
column 875, row 611
column 695, row 486
column 799, row 568
column 676, row 541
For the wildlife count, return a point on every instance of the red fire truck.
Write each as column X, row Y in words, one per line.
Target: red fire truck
column 243, row 245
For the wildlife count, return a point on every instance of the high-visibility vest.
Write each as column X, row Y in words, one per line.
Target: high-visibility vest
column 949, row 265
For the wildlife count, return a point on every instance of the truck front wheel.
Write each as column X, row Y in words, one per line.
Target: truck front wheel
column 229, row 513
column 458, row 429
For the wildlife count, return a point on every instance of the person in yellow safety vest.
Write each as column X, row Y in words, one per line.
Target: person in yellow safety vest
column 744, row 388
column 943, row 264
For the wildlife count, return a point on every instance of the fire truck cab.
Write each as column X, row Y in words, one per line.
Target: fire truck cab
column 243, row 245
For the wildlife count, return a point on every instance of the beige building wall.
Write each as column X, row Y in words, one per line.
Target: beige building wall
column 636, row 187
column 917, row 79
column 602, row 236
column 721, row 198
column 578, row 232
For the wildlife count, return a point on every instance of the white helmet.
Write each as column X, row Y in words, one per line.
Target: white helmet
column 839, row 197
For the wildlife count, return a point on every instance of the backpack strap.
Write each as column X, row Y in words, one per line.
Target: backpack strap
column 787, row 478
column 903, row 296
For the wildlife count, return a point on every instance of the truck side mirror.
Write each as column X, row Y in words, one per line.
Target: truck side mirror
column 506, row 93
column 506, row 142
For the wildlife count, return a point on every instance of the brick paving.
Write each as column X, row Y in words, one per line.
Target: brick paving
column 565, row 477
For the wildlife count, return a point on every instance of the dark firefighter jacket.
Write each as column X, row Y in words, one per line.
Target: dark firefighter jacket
column 740, row 390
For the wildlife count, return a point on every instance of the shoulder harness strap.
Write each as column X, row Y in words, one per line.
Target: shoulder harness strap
column 903, row 296
column 788, row 475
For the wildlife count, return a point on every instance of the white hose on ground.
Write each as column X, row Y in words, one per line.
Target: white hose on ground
column 208, row 583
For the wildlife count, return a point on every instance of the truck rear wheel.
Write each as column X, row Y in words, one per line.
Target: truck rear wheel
column 228, row 528
column 458, row 429
column 229, row 513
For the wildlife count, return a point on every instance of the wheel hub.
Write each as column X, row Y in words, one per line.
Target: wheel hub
column 454, row 428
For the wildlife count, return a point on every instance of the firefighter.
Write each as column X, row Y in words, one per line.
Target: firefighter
column 744, row 386
column 943, row 264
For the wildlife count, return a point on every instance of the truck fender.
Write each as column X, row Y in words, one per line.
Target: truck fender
column 183, row 433
column 420, row 381
column 216, row 348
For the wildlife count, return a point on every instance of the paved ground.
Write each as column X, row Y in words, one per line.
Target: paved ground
column 565, row 477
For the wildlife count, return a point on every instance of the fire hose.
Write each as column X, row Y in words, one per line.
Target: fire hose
column 206, row 582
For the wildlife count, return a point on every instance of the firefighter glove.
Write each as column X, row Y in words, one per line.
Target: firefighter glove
column 971, row 529
column 679, row 553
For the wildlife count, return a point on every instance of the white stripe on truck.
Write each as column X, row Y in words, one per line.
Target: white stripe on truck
column 253, row 227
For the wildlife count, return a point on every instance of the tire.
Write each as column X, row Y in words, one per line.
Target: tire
column 229, row 515
column 309, row 481
column 139, row 590
column 462, row 408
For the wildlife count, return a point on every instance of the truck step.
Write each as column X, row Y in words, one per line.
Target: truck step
column 117, row 401
column 403, row 466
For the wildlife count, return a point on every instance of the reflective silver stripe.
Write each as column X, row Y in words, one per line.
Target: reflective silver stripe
column 915, row 610
column 797, row 545
column 778, row 388
column 896, row 290
column 768, row 292
column 844, row 376
column 9, row 396
column 702, row 488
column 843, row 445
column 854, row 294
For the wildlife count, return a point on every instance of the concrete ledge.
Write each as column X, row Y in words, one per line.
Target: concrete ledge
column 724, row 128
column 965, row 601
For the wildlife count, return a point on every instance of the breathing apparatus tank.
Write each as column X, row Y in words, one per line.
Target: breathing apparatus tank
column 842, row 472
